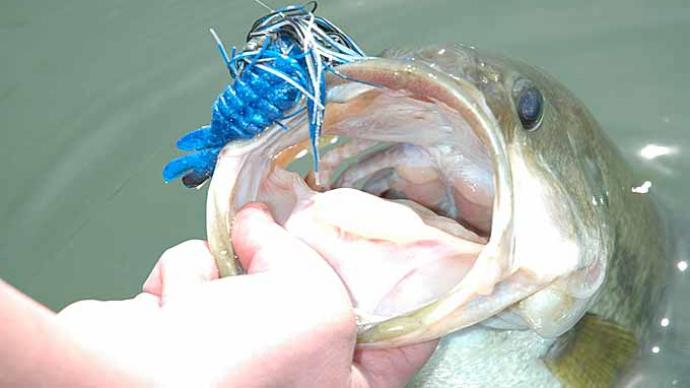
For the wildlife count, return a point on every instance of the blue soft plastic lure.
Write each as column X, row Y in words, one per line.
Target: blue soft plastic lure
column 279, row 74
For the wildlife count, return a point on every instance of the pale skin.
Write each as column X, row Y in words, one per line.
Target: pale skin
column 287, row 323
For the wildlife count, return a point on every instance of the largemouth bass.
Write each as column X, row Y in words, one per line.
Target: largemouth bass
column 463, row 190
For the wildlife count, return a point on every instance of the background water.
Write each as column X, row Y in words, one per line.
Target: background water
column 94, row 94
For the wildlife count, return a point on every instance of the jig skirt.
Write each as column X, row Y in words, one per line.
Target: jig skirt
column 279, row 74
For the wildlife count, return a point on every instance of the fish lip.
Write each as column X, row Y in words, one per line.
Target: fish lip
column 461, row 95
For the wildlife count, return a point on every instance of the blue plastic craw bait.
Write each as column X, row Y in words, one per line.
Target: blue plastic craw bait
column 279, row 74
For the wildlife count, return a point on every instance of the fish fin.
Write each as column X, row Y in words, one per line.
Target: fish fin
column 592, row 354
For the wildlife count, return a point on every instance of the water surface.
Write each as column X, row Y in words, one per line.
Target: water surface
column 94, row 94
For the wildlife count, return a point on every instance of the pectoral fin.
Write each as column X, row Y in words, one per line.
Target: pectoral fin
column 592, row 354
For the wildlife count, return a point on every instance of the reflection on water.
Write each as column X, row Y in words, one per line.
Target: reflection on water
column 93, row 95
column 652, row 151
column 665, row 360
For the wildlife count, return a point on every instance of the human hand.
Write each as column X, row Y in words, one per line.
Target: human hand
column 288, row 322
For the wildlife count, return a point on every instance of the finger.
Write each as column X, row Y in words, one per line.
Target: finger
column 262, row 245
column 180, row 268
column 153, row 283
column 391, row 367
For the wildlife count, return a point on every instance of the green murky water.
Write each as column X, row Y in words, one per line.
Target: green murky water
column 94, row 94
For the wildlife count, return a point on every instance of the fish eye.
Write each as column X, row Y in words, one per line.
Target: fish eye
column 529, row 104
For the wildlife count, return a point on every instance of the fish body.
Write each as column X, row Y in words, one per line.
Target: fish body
column 591, row 196
column 588, row 189
column 532, row 221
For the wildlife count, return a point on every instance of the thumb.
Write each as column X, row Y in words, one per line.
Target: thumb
column 392, row 367
column 263, row 245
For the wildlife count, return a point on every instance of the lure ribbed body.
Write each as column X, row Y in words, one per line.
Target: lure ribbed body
column 278, row 75
column 254, row 101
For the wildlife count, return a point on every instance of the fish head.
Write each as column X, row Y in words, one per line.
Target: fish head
column 520, row 172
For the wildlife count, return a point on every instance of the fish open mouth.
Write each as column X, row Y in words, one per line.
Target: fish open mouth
column 406, row 206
